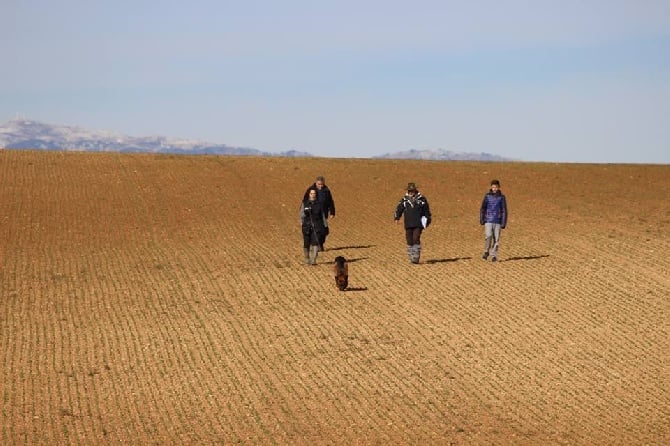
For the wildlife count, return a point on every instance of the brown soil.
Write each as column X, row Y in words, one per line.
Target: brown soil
column 155, row 299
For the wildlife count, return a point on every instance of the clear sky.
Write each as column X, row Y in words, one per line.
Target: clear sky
column 536, row 80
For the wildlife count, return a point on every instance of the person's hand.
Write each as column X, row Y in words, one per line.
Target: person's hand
column 396, row 221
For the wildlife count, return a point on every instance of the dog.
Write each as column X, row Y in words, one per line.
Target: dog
column 341, row 270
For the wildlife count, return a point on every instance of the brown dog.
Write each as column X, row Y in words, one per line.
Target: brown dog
column 341, row 273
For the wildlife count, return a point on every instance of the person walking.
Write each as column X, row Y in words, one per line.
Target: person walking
column 493, row 216
column 414, row 206
column 312, row 222
column 325, row 198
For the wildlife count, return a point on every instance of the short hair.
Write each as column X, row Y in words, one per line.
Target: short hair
column 496, row 182
column 320, row 178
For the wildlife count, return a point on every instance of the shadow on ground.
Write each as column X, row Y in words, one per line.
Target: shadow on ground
column 455, row 259
column 340, row 248
column 513, row 259
column 348, row 260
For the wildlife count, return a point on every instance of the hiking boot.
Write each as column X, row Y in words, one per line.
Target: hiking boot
column 485, row 256
column 313, row 254
column 494, row 259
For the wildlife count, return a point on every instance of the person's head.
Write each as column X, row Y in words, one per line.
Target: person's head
column 495, row 185
column 411, row 189
column 312, row 194
column 320, row 182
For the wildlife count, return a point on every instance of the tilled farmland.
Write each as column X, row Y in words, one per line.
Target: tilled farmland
column 163, row 299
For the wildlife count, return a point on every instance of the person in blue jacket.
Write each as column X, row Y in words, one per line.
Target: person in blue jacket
column 493, row 216
column 417, row 218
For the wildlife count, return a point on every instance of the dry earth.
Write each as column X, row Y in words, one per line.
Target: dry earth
column 156, row 299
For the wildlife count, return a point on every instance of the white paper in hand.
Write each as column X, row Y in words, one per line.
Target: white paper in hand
column 424, row 220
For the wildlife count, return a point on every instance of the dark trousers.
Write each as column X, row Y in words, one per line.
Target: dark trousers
column 413, row 236
column 311, row 237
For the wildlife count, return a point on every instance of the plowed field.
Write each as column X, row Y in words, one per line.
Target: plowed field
column 157, row 299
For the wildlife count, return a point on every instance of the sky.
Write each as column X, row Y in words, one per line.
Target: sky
column 534, row 80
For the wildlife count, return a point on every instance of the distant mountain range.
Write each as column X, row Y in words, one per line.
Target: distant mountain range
column 441, row 154
column 28, row 134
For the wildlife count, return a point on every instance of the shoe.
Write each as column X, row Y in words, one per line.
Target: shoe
column 485, row 256
column 494, row 259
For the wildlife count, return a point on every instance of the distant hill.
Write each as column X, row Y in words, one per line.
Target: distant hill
column 441, row 154
column 28, row 134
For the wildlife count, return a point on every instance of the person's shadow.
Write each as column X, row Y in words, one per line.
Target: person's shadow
column 340, row 248
column 455, row 259
column 514, row 259
column 358, row 259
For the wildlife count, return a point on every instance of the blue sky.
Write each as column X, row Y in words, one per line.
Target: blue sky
column 564, row 81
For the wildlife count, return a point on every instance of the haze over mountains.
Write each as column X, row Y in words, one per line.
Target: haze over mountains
column 29, row 134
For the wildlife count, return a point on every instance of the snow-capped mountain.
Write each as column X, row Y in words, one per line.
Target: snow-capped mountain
column 444, row 155
column 28, row 134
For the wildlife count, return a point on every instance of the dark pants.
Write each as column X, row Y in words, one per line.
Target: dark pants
column 413, row 236
column 322, row 238
column 311, row 237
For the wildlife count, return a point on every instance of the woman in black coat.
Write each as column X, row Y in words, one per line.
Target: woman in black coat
column 313, row 228
column 325, row 197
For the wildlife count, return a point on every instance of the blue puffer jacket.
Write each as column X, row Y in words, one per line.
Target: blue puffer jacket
column 493, row 209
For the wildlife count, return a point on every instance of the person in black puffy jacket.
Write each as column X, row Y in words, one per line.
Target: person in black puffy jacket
column 414, row 206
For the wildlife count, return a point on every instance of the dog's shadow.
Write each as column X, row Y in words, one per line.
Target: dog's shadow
column 455, row 259
column 355, row 288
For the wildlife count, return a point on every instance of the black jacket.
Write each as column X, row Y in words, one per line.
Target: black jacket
column 311, row 217
column 324, row 197
column 413, row 208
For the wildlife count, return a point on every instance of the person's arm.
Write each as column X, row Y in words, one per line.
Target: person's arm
column 302, row 212
column 426, row 213
column 504, row 212
column 482, row 211
column 398, row 211
column 331, row 205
